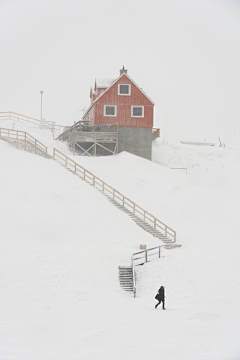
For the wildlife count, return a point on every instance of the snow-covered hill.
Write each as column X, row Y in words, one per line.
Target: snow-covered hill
column 62, row 243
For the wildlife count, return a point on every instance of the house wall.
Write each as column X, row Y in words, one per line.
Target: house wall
column 124, row 103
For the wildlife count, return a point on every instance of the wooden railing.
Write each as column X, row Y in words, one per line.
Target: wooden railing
column 23, row 138
column 116, row 195
column 9, row 115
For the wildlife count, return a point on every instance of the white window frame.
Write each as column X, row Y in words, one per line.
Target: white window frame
column 129, row 88
column 140, row 106
column 115, row 107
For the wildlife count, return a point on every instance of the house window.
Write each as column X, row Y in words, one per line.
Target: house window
column 124, row 89
column 137, row 111
column 110, row 110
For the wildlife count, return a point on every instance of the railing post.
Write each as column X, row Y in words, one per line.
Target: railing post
column 75, row 167
column 84, row 174
column 93, row 180
column 134, row 208
column 146, row 255
column 103, row 187
column 144, row 215
column 17, row 141
column 159, row 251
column 174, row 237
column 113, row 194
column 53, row 153
column 66, row 162
column 154, row 223
column 35, row 146
column 123, row 200
column 25, row 141
column 165, row 230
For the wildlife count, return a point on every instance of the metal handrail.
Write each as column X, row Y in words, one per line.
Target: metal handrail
column 124, row 201
column 146, row 259
column 146, row 254
column 134, row 278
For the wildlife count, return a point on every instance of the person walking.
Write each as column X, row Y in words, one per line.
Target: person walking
column 161, row 297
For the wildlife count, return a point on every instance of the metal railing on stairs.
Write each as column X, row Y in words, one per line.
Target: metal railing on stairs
column 24, row 139
column 141, row 258
column 116, row 195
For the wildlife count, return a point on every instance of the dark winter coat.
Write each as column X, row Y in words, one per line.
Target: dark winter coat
column 161, row 295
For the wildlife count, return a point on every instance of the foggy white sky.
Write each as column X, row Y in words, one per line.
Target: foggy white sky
column 185, row 54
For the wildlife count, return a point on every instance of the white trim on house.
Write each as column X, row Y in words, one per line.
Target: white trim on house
column 115, row 110
column 129, row 89
column 137, row 106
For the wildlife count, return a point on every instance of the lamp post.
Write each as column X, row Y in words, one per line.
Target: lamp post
column 41, row 92
column 41, row 119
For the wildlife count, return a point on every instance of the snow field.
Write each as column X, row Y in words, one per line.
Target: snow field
column 62, row 243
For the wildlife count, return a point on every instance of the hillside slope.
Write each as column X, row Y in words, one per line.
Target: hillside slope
column 62, row 243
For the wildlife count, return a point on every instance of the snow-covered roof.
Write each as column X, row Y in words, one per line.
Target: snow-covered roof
column 104, row 83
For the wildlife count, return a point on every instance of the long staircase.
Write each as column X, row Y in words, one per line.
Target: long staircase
column 148, row 222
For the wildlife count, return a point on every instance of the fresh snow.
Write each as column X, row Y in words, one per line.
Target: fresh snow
column 62, row 243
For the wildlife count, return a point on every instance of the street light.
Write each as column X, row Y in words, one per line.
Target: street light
column 41, row 92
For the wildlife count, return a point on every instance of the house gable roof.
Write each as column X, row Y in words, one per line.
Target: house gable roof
column 114, row 82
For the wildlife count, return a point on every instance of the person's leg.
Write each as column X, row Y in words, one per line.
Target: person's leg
column 157, row 304
column 163, row 305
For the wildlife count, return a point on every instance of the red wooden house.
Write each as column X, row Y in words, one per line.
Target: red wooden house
column 122, row 103
column 119, row 101
column 120, row 107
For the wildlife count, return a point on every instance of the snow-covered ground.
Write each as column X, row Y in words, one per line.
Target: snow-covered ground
column 62, row 243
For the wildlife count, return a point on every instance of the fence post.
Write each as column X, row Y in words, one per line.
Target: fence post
column 93, row 180
column 144, row 216
column 25, row 141
column 159, row 251
column 17, row 141
column 154, row 223
column 165, row 230
column 84, row 174
column 66, row 162
column 113, row 194
column 134, row 209
column 174, row 237
column 103, row 187
column 35, row 146
column 123, row 200
column 146, row 255
column 75, row 167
